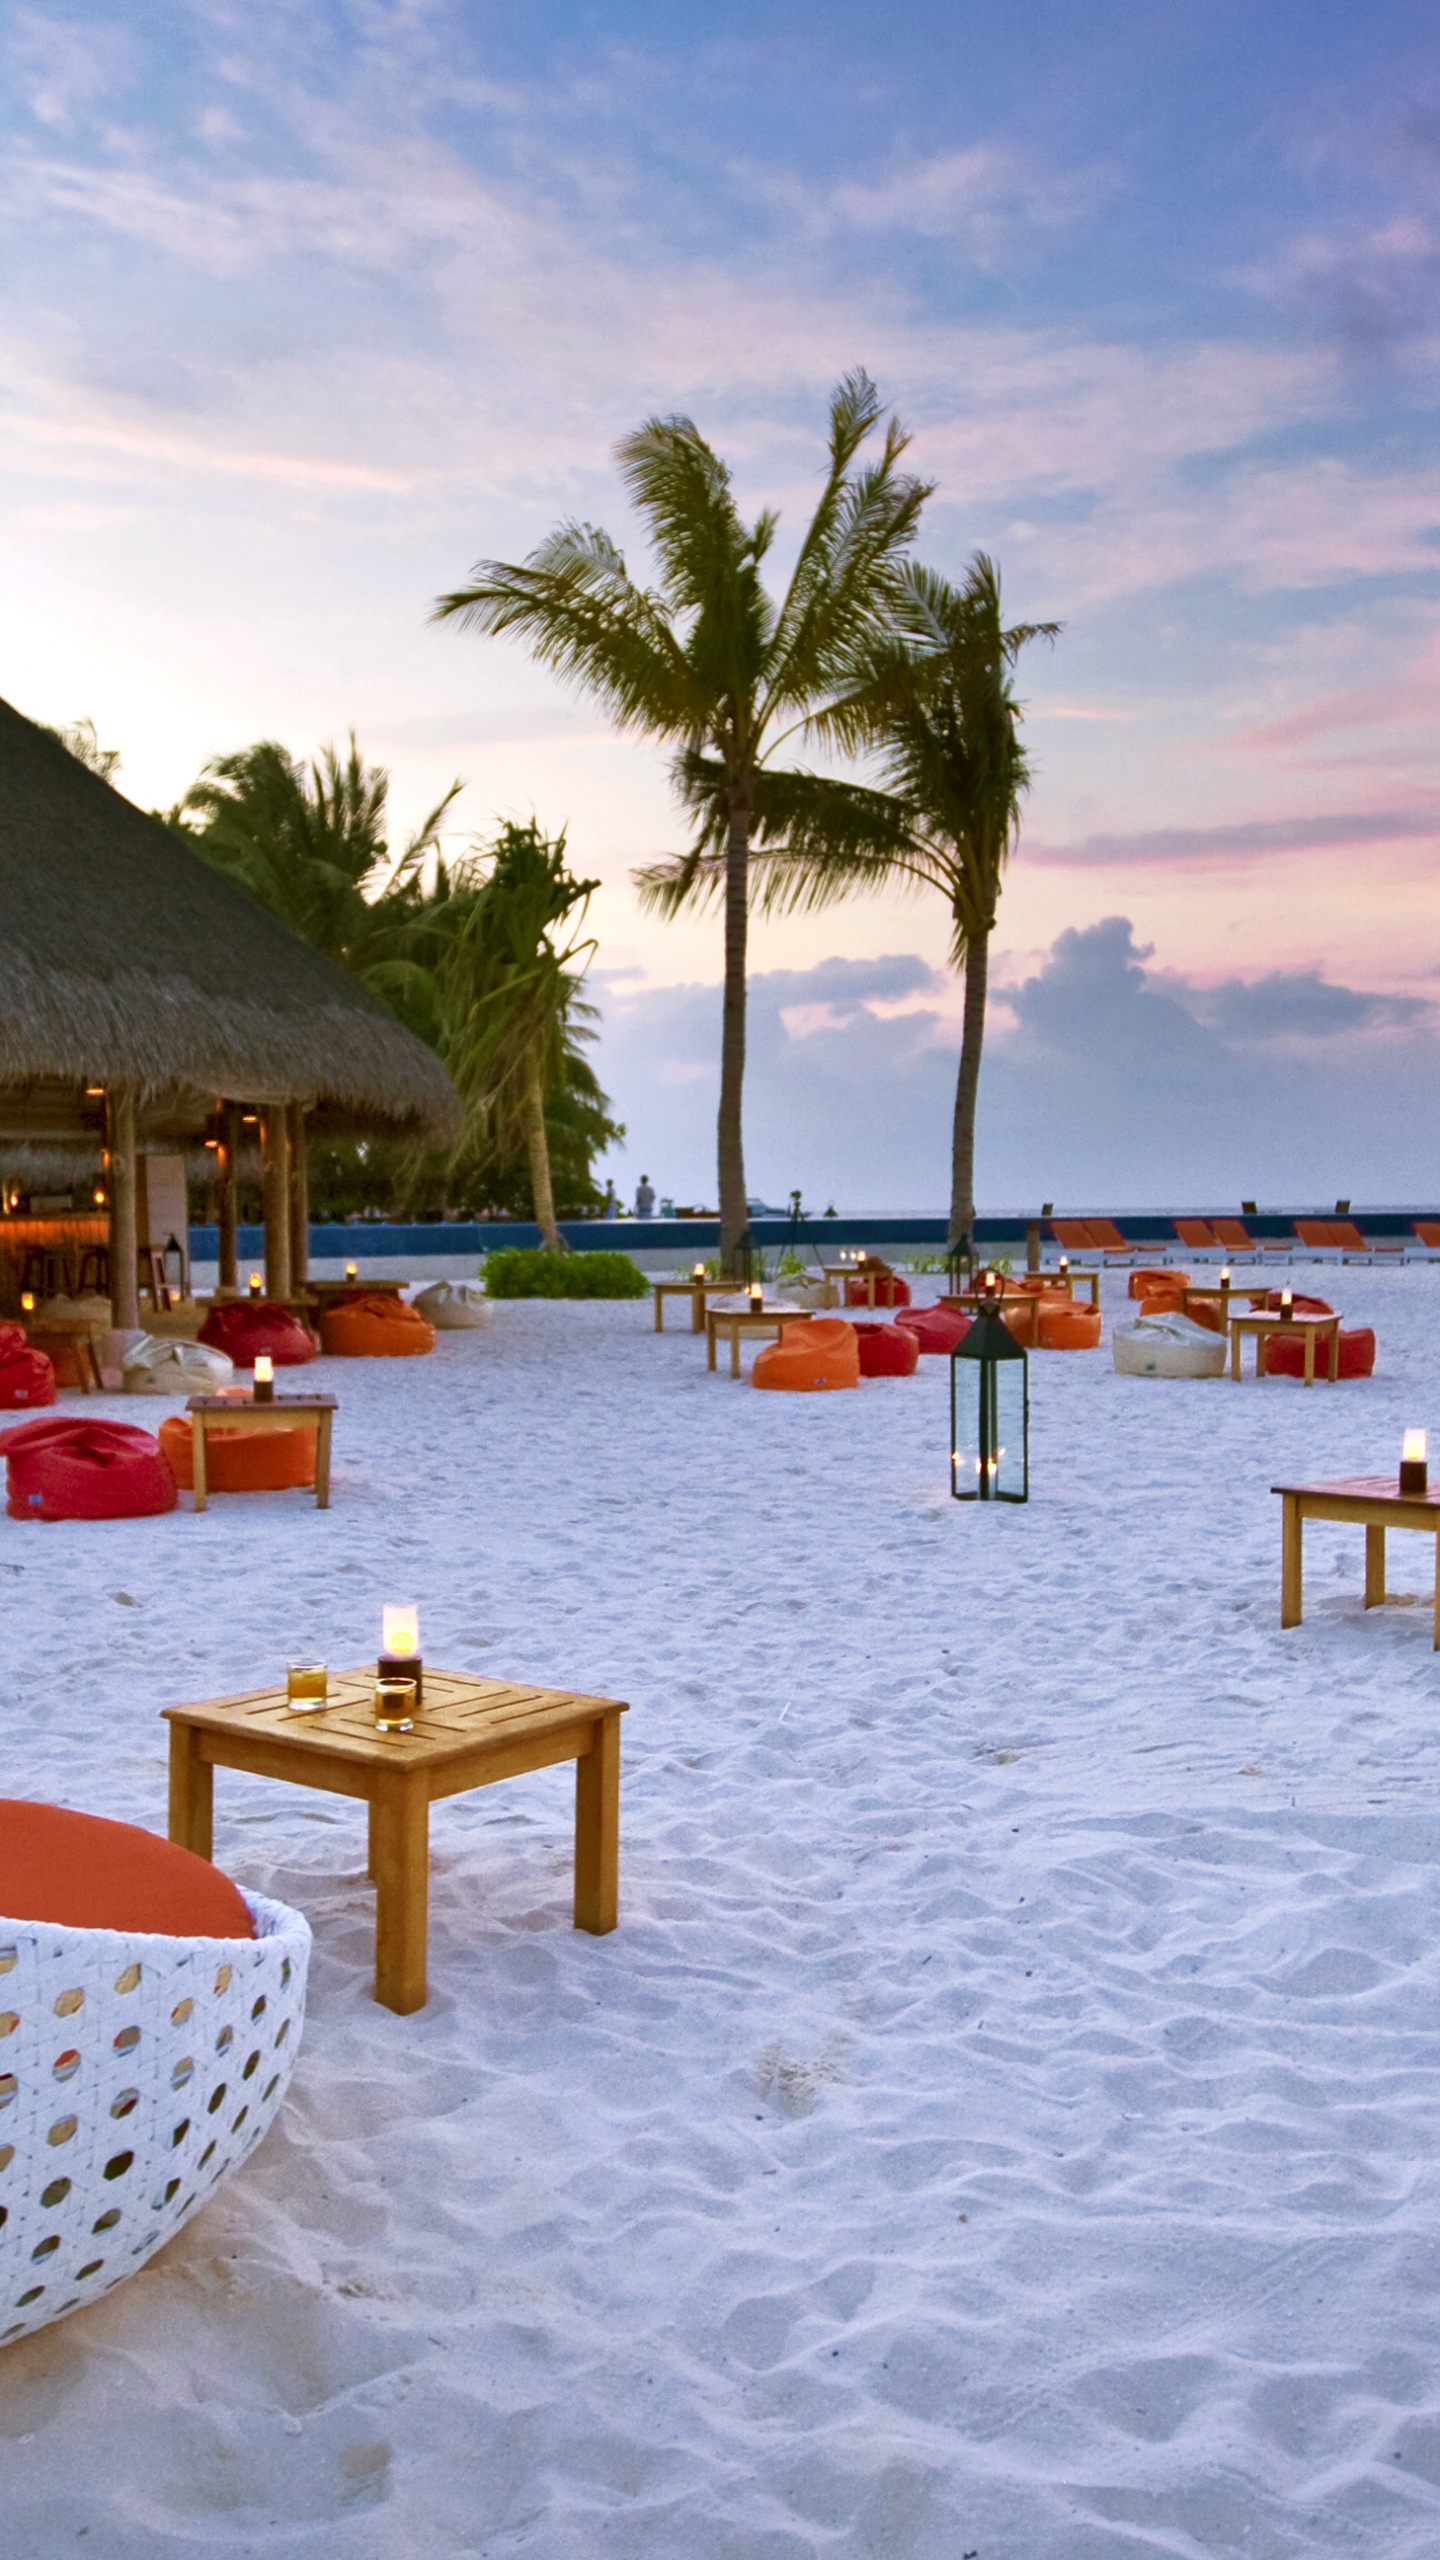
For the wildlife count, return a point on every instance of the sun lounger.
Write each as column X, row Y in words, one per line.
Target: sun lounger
column 1428, row 1231
column 1114, row 1245
column 1073, row 1235
column 1334, row 1235
column 1233, row 1235
column 1197, row 1233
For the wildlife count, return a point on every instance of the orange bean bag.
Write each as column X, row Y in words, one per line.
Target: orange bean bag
column 890, row 1290
column 886, row 1350
column 1069, row 1327
column 238, row 1460
column 374, row 1329
column 27, row 1377
column 936, row 1329
column 243, row 1326
column 1285, row 1355
column 823, row 1353
column 80, row 1871
column 63, row 1467
column 1159, row 1284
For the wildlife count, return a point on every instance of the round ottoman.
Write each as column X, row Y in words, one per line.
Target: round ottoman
column 454, row 1306
column 378, row 1328
column 1070, row 1327
column 238, row 1460
column 150, row 2016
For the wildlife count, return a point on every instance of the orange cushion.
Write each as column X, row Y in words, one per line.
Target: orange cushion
column 1069, row 1328
column 1158, row 1284
column 240, row 1460
column 809, row 1357
column 86, row 1873
column 374, row 1329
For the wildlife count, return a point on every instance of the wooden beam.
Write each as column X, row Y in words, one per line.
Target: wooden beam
column 227, row 1194
column 275, row 1199
column 299, row 1199
column 124, row 1294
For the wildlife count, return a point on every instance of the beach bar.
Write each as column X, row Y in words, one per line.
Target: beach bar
column 150, row 1008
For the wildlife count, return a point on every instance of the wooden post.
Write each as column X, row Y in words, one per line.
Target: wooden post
column 227, row 1195
column 275, row 1196
column 124, row 1291
column 399, row 1840
column 299, row 1199
column 597, row 1830
column 192, row 1792
column 1374, row 1567
column 1291, row 1552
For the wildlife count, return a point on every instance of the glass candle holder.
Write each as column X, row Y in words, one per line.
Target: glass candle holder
column 1414, row 1468
column 307, row 1686
column 400, row 1646
column 264, row 1378
column 256, row 1284
column 394, row 1702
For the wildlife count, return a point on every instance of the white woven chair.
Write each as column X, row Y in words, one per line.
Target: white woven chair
column 136, row 2073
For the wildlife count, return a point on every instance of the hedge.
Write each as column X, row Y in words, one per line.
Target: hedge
column 523, row 1271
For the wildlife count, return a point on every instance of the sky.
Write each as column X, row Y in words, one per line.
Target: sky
column 305, row 309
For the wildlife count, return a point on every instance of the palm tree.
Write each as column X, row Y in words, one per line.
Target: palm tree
column 709, row 661
column 506, row 999
column 938, row 704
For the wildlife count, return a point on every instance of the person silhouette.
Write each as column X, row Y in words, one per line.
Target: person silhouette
column 645, row 1198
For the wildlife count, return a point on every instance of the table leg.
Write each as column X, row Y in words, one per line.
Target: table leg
column 697, row 1311
column 1291, row 1554
column 597, row 1830
column 659, row 1312
column 1309, row 1355
column 197, row 1461
column 192, row 1792
column 1334, row 1354
column 370, row 1861
column 400, row 1841
column 1374, row 1567
column 735, row 1352
column 322, row 1462
column 710, row 1344
column 96, row 1372
column 1234, row 1354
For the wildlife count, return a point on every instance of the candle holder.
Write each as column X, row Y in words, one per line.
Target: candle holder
column 256, row 1284
column 1287, row 1306
column 394, row 1703
column 264, row 1391
column 400, row 1657
column 1414, row 1472
column 757, row 1298
column 352, row 1271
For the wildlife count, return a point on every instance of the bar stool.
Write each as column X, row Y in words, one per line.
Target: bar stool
column 152, row 1280
column 46, row 1273
column 94, row 1272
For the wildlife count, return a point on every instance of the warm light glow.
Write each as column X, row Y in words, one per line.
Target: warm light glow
column 1225, row 1275
column 94, row 1089
column 1412, row 1453
column 264, row 1369
column 99, row 1197
column 400, row 1628
column 351, row 1271
column 699, row 1271
column 256, row 1284
column 1287, row 1301
column 27, row 1307
column 757, row 1294
column 212, row 1142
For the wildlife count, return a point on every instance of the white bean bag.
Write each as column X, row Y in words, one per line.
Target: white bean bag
column 801, row 1293
column 169, row 1365
column 136, row 2073
column 1168, row 1346
column 453, row 1306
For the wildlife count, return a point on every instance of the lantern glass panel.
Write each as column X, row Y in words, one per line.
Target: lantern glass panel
column 989, row 1415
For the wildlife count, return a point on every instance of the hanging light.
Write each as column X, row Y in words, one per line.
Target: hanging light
column 989, row 1412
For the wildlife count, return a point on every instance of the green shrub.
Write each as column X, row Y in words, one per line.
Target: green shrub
column 523, row 1271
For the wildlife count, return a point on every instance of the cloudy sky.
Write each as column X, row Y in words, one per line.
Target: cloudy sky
column 305, row 308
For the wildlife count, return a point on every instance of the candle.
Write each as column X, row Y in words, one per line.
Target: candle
column 1414, row 1475
column 400, row 1646
column 1287, row 1304
column 699, row 1271
column 757, row 1297
column 1064, row 1266
column 264, row 1378
column 27, row 1302
column 351, row 1271
column 256, row 1284
column 1225, row 1275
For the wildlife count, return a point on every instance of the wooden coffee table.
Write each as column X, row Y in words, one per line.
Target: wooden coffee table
column 696, row 1291
column 1377, row 1504
column 469, row 1733
column 735, row 1323
column 81, row 1335
column 280, row 1415
column 1262, row 1325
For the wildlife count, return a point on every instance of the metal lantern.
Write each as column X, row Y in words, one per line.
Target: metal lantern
column 989, row 1414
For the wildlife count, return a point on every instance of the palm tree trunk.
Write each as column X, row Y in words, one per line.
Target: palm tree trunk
column 967, row 1086
column 734, row 1216
column 537, row 1147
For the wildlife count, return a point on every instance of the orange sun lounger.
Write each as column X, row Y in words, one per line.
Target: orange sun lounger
column 1234, row 1236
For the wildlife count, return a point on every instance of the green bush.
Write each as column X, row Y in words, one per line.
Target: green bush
column 523, row 1271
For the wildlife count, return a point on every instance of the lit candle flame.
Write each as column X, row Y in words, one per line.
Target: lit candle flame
column 1413, row 1449
column 264, row 1369
column 400, row 1627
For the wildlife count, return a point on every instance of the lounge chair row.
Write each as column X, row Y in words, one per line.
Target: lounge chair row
column 1339, row 1236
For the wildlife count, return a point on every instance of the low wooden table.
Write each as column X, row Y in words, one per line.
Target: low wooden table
column 1222, row 1300
column 1377, row 1504
column 1071, row 1280
column 279, row 1415
column 697, row 1291
column 737, row 1322
column 329, row 1293
column 1262, row 1325
column 81, row 1334
column 469, row 1733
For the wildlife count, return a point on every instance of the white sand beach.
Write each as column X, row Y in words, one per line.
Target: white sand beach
column 1004, row 2121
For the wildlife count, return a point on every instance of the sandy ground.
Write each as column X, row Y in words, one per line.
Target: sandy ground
column 1004, row 2121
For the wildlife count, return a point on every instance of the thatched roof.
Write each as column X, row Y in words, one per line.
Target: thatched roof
column 124, row 959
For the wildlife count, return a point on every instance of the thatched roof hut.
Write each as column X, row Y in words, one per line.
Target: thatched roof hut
column 144, row 998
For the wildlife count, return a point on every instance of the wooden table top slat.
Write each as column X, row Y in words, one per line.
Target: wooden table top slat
column 1364, row 1489
column 458, row 1713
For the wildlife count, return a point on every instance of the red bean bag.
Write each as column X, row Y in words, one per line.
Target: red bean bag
column 243, row 1326
column 1069, row 1327
column 82, row 1872
column 63, row 1467
column 1285, row 1354
column 239, row 1460
column 1302, row 1306
column 807, row 1357
column 886, row 1350
column 26, row 1376
column 936, row 1329
column 1159, row 1284
column 380, row 1328
column 890, row 1290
